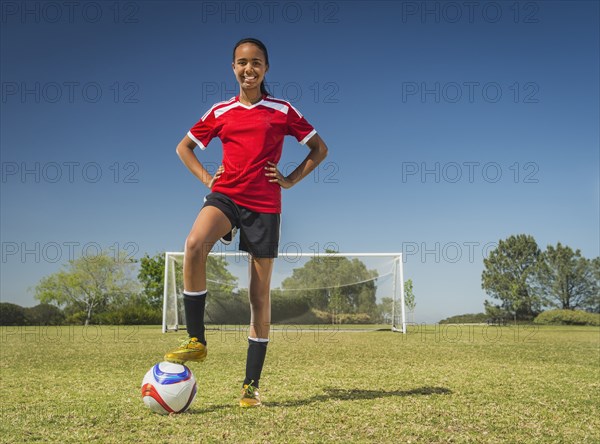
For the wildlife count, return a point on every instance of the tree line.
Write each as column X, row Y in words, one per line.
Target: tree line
column 106, row 290
column 523, row 280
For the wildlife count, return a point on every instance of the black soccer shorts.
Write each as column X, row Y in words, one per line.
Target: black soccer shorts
column 259, row 232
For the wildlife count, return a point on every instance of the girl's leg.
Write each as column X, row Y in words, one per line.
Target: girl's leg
column 260, row 297
column 260, row 321
column 210, row 225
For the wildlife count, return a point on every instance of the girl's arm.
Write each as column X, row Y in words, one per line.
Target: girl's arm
column 318, row 152
column 185, row 151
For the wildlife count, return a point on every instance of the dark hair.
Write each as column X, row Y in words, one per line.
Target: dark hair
column 263, row 48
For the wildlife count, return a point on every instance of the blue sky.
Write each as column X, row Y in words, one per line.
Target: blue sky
column 450, row 126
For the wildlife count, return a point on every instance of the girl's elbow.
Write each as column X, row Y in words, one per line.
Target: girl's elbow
column 324, row 150
column 179, row 150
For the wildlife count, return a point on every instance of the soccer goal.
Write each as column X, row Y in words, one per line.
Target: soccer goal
column 347, row 289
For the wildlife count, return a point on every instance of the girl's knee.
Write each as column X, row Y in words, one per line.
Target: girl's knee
column 197, row 247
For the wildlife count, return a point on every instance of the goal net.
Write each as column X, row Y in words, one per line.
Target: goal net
column 348, row 289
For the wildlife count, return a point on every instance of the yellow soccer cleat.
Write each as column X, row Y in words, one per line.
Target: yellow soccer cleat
column 189, row 350
column 250, row 396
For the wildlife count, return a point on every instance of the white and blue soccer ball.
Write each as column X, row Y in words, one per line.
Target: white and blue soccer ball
column 168, row 388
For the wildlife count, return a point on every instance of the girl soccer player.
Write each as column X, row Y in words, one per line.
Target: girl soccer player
column 245, row 195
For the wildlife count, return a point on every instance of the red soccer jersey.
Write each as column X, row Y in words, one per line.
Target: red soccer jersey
column 251, row 136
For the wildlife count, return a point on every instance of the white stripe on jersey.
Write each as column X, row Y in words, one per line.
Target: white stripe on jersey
column 200, row 144
column 270, row 102
column 276, row 106
column 284, row 102
column 219, row 112
column 215, row 105
column 308, row 136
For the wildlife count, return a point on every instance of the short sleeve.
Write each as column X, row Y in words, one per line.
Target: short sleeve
column 298, row 127
column 205, row 130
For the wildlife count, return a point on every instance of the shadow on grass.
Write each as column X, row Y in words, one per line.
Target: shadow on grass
column 360, row 394
column 339, row 395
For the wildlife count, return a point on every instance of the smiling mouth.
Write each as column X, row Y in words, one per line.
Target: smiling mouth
column 249, row 78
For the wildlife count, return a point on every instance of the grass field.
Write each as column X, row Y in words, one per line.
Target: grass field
column 436, row 384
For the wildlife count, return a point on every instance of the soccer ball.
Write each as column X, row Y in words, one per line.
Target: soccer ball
column 168, row 388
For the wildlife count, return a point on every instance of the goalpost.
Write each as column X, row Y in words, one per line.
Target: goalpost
column 306, row 288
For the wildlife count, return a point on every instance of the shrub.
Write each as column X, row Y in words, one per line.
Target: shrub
column 284, row 308
column 306, row 318
column 324, row 317
column 353, row 318
column 131, row 314
column 567, row 317
column 12, row 314
column 75, row 317
column 227, row 308
column 44, row 314
column 477, row 318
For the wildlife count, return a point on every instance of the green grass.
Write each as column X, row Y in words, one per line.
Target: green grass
column 446, row 383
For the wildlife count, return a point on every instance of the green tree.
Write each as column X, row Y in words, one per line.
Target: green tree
column 509, row 276
column 409, row 296
column 593, row 302
column 494, row 312
column 221, row 284
column 566, row 279
column 310, row 283
column 88, row 284
column 409, row 299
column 337, row 284
column 227, row 303
column 219, row 279
column 151, row 276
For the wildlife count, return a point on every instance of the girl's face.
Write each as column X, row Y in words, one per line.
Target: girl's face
column 249, row 66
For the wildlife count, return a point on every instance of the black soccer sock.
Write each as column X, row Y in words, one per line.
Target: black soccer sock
column 257, row 350
column 193, row 304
